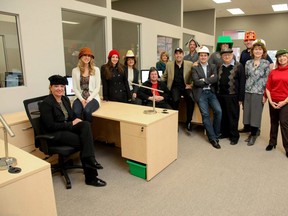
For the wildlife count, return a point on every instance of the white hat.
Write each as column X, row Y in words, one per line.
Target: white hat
column 259, row 41
column 130, row 54
column 203, row 49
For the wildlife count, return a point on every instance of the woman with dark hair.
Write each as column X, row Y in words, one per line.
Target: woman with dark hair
column 114, row 81
column 277, row 94
column 132, row 73
column 146, row 95
column 86, row 85
column 57, row 119
column 256, row 70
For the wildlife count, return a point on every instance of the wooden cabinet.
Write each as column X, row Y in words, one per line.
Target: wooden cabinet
column 148, row 139
column 133, row 141
column 24, row 135
column 29, row 192
column 23, row 138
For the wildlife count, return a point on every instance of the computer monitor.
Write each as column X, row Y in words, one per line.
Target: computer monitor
column 13, row 79
column 145, row 74
column 69, row 91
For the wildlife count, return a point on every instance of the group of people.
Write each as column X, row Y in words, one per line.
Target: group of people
column 215, row 81
column 223, row 84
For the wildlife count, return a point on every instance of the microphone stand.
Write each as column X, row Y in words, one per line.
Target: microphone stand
column 153, row 111
column 6, row 162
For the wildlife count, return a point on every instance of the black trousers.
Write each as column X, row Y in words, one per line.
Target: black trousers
column 187, row 94
column 279, row 116
column 80, row 135
column 230, row 116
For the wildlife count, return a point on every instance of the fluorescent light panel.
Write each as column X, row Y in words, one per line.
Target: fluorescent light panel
column 221, row 1
column 280, row 7
column 235, row 11
column 69, row 22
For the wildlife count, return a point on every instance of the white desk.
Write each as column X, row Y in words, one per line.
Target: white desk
column 29, row 192
column 151, row 139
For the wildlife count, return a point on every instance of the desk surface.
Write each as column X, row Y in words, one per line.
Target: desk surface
column 27, row 162
column 130, row 113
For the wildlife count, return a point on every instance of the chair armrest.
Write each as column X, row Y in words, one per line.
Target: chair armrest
column 46, row 136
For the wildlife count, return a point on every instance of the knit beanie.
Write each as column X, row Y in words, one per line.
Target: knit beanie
column 113, row 52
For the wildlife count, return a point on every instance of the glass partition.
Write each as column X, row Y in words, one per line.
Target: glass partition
column 167, row 44
column 126, row 36
column 11, row 72
column 82, row 30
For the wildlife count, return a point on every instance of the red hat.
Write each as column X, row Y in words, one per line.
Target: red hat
column 113, row 52
column 85, row 51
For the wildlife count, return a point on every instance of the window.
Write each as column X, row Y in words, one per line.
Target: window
column 11, row 70
column 235, row 34
column 126, row 36
column 82, row 30
column 167, row 44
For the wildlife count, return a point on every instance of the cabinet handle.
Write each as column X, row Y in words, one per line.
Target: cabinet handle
column 27, row 128
column 142, row 129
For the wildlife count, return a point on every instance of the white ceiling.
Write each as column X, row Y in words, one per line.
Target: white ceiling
column 250, row 7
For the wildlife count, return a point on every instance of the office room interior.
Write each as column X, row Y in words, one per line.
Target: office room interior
column 46, row 38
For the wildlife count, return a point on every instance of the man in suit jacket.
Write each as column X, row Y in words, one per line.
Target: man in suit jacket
column 204, row 78
column 178, row 79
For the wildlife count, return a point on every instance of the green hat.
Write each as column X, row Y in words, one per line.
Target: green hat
column 224, row 39
column 281, row 52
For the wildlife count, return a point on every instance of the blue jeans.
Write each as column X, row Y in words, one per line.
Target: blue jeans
column 85, row 113
column 209, row 99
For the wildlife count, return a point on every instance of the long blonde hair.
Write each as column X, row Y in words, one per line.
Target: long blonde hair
column 91, row 64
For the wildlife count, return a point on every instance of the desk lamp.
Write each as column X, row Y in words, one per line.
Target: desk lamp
column 153, row 111
column 6, row 162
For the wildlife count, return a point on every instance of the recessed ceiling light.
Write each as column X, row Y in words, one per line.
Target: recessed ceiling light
column 221, row 1
column 280, row 7
column 69, row 22
column 235, row 11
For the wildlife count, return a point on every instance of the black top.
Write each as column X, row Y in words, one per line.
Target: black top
column 144, row 93
column 116, row 88
column 52, row 116
column 178, row 81
column 135, row 78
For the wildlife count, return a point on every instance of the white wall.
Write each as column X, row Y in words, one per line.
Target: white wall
column 42, row 49
column 42, row 42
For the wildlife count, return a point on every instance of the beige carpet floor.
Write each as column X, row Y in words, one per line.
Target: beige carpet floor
column 235, row 180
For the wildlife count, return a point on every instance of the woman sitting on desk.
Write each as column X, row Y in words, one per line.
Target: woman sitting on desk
column 86, row 85
column 58, row 119
column 161, row 98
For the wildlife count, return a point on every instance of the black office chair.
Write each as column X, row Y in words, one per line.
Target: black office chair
column 41, row 141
